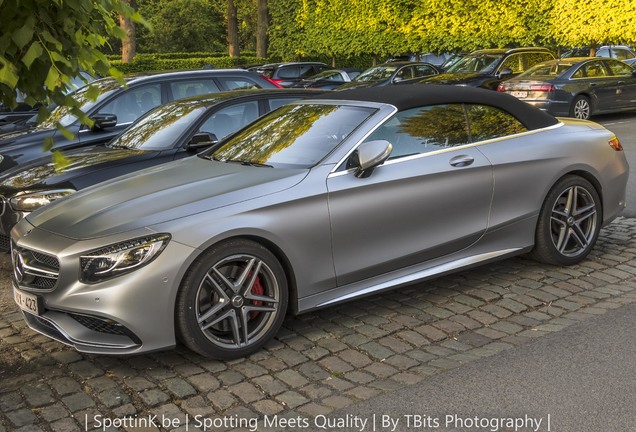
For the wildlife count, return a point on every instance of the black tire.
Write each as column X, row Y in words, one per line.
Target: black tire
column 581, row 108
column 569, row 222
column 232, row 300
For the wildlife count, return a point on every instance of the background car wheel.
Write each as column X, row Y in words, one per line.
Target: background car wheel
column 569, row 222
column 581, row 108
column 232, row 300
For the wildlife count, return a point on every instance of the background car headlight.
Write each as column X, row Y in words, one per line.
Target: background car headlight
column 34, row 200
column 121, row 258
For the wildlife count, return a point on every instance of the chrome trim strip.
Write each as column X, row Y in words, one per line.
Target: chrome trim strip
column 34, row 271
column 443, row 268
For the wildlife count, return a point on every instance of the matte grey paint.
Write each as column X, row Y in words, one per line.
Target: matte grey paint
column 339, row 234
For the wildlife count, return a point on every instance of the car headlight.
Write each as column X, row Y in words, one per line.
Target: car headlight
column 121, row 258
column 28, row 202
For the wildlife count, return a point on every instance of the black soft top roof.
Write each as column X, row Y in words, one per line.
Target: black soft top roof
column 408, row 96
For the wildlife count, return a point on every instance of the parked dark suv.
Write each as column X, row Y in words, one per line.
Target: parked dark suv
column 23, row 111
column 287, row 74
column 487, row 68
column 116, row 107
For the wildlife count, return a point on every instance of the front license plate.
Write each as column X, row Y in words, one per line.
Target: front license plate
column 519, row 94
column 27, row 302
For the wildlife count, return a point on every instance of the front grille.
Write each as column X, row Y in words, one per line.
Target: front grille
column 5, row 243
column 33, row 269
column 99, row 325
column 45, row 327
column 104, row 326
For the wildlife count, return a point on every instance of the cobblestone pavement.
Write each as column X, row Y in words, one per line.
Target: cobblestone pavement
column 319, row 362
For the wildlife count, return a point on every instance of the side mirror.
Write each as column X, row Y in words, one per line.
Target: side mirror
column 397, row 79
column 201, row 140
column 505, row 72
column 103, row 121
column 368, row 156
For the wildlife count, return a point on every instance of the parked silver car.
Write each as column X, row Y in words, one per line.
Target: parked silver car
column 320, row 202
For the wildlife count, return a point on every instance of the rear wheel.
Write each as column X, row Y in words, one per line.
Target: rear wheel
column 232, row 300
column 569, row 222
column 581, row 108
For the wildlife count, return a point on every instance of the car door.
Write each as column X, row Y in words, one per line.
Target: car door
column 601, row 85
column 128, row 106
column 403, row 74
column 431, row 198
column 625, row 83
column 228, row 119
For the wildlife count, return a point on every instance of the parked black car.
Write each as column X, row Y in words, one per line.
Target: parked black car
column 169, row 132
column 329, row 79
column 619, row 52
column 487, row 68
column 117, row 107
column 287, row 74
column 577, row 87
column 392, row 73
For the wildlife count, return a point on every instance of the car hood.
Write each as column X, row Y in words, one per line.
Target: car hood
column 41, row 172
column 159, row 194
column 24, row 137
column 455, row 78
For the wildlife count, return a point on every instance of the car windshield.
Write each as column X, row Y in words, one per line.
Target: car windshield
column 377, row 73
column 160, row 128
column 482, row 63
column 546, row 70
column 63, row 114
column 294, row 136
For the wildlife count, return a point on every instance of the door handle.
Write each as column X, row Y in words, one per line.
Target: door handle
column 461, row 161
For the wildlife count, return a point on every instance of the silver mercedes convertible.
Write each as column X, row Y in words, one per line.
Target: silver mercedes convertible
column 320, row 202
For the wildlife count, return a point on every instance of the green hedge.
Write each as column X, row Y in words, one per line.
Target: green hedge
column 156, row 64
column 174, row 61
column 179, row 55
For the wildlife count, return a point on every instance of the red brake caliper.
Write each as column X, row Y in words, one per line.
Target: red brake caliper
column 257, row 289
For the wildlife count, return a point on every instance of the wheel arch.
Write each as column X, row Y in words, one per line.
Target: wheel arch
column 592, row 179
column 589, row 96
column 292, row 305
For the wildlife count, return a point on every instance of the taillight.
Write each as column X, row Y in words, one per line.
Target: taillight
column 501, row 87
column 542, row 88
column 273, row 81
column 615, row 144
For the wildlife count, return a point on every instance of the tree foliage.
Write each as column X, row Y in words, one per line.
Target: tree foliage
column 181, row 26
column 45, row 43
column 593, row 22
column 336, row 28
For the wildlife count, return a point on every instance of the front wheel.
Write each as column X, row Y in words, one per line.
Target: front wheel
column 232, row 300
column 581, row 108
column 569, row 222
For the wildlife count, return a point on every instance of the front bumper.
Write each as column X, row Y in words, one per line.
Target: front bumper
column 129, row 314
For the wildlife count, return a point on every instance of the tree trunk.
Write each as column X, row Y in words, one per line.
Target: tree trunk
column 128, row 45
column 232, row 29
column 262, row 24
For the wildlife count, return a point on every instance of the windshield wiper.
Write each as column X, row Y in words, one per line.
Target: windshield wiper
column 246, row 162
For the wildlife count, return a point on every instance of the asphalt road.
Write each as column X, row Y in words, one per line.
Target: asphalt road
column 624, row 126
column 582, row 378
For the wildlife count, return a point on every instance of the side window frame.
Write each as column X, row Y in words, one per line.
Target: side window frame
column 469, row 118
column 407, row 145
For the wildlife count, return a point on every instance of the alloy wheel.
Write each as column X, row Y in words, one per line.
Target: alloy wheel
column 237, row 301
column 573, row 221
